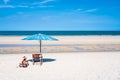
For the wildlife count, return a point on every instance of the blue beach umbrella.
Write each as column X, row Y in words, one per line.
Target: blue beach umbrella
column 40, row 37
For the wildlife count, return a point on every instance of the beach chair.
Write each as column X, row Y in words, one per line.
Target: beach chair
column 37, row 58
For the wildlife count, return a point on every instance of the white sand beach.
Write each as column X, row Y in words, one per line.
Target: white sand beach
column 63, row 40
column 65, row 44
column 99, row 60
column 65, row 66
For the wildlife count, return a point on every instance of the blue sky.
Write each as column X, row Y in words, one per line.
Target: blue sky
column 60, row 15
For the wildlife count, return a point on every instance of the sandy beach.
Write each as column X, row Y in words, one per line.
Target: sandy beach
column 14, row 44
column 70, row 58
column 64, row 40
column 63, row 66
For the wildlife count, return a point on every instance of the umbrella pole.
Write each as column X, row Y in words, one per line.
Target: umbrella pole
column 40, row 46
column 41, row 59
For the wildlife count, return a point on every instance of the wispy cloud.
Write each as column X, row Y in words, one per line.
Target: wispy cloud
column 80, row 11
column 91, row 10
column 7, row 6
column 46, row 1
column 23, row 6
column 45, row 6
column 40, row 4
column 84, row 10
column 11, row 6
column 6, row 1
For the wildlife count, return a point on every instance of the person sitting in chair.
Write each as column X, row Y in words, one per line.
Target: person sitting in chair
column 24, row 62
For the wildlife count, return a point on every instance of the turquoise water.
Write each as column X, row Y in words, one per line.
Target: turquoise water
column 20, row 33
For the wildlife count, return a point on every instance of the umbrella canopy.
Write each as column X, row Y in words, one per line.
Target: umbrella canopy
column 40, row 37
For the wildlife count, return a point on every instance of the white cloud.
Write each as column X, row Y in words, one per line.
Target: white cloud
column 42, row 2
column 76, row 11
column 7, row 6
column 21, row 6
column 26, row 5
column 45, row 6
column 12, row 6
column 91, row 10
column 79, row 11
column 6, row 1
column 46, row 1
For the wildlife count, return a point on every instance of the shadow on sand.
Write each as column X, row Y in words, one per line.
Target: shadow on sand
column 44, row 60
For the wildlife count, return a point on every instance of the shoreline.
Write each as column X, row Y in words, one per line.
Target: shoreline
column 14, row 44
column 60, row 48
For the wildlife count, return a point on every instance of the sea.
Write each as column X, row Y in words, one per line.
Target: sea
column 59, row 33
